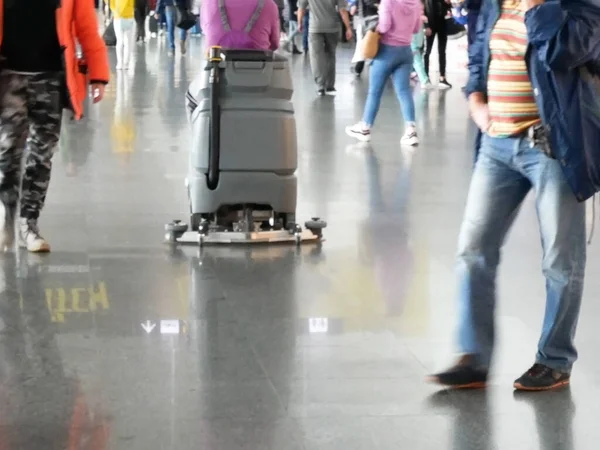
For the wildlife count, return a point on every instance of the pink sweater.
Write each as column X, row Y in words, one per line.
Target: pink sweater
column 399, row 20
column 265, row 33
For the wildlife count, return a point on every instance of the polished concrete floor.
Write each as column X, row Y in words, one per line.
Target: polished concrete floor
column 115, row 342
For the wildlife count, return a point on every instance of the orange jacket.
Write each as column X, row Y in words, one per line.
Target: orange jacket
column 76, row 22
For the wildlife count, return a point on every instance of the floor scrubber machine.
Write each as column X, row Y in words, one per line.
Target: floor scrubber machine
column 241, row 183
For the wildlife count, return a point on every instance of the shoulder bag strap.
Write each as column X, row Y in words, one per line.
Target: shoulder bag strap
column 224, row 19
column 255, row 16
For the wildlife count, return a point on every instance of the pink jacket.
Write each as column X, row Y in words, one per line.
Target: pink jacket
column 399, row 20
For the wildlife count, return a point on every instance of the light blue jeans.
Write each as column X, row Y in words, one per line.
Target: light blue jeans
column 171, row 20
column 395, row 62
column 505, row 171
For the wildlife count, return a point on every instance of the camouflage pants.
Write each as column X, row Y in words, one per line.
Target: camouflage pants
column 30, row 121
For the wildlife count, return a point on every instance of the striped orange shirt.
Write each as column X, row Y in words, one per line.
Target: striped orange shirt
column 510, row 93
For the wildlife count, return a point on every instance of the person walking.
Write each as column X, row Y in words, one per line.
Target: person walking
column 536, row 138
column 436, row 12
column 170, row 16
column 41, row 74
column 290, row 44
column 398, row 21
column 123, row 12
column 324, row 34
column 141, row 12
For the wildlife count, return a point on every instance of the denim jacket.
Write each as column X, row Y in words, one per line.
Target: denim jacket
column 563, row 60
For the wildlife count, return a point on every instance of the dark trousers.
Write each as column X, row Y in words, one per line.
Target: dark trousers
column 30, row 121
column 439, row 30
column 140, row 20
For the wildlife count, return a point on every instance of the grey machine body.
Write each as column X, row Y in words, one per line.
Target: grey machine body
column 258, row 142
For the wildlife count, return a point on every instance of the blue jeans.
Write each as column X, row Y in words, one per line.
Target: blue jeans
column 505, row 171
column 293, row 32
column 396, row 62
column 171, row 19
column 305, row 24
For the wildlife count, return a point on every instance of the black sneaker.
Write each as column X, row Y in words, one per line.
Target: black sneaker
column 466, row 374
column 331, row 91
column 542, row 378
column 443, row 84
column 296, row 51
column 321, row 92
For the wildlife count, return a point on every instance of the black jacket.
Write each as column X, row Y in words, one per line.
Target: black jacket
column 292, row 10
column 436, row 12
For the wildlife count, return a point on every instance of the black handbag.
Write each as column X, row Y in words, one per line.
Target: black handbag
column 109, row 36
column 185, row 19
column 454, row 30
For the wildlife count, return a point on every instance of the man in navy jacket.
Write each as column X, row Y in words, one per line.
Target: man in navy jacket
column 534, row 93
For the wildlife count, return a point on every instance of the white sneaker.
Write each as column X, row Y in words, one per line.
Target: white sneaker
column 410, row 138
column 7, row 228
column 30, row 237
column 359, row 131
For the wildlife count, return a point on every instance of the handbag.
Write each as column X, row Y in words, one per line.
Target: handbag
column 454, row 30
column 370, row 43
column 185, row 19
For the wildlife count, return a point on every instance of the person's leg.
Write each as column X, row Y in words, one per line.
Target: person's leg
column 316, row 43
column 381, row 69
column 429, row 46
column 496, row 192
column 442, row 43
column 129, row 42
column 183, row 34
column 305, row 33
column 170, row 17
column 45, row 115
column 331, row 42
column 417, row 44
column 13, row 128
column 120, row 46
column 291, row 42
column 562, row 226
column 140, row 23
column 401, row 81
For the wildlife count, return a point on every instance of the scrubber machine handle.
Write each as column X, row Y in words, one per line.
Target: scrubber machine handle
column 214, row 147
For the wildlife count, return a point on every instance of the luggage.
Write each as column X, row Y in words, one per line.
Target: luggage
column 110, row 38
column 254, row 167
